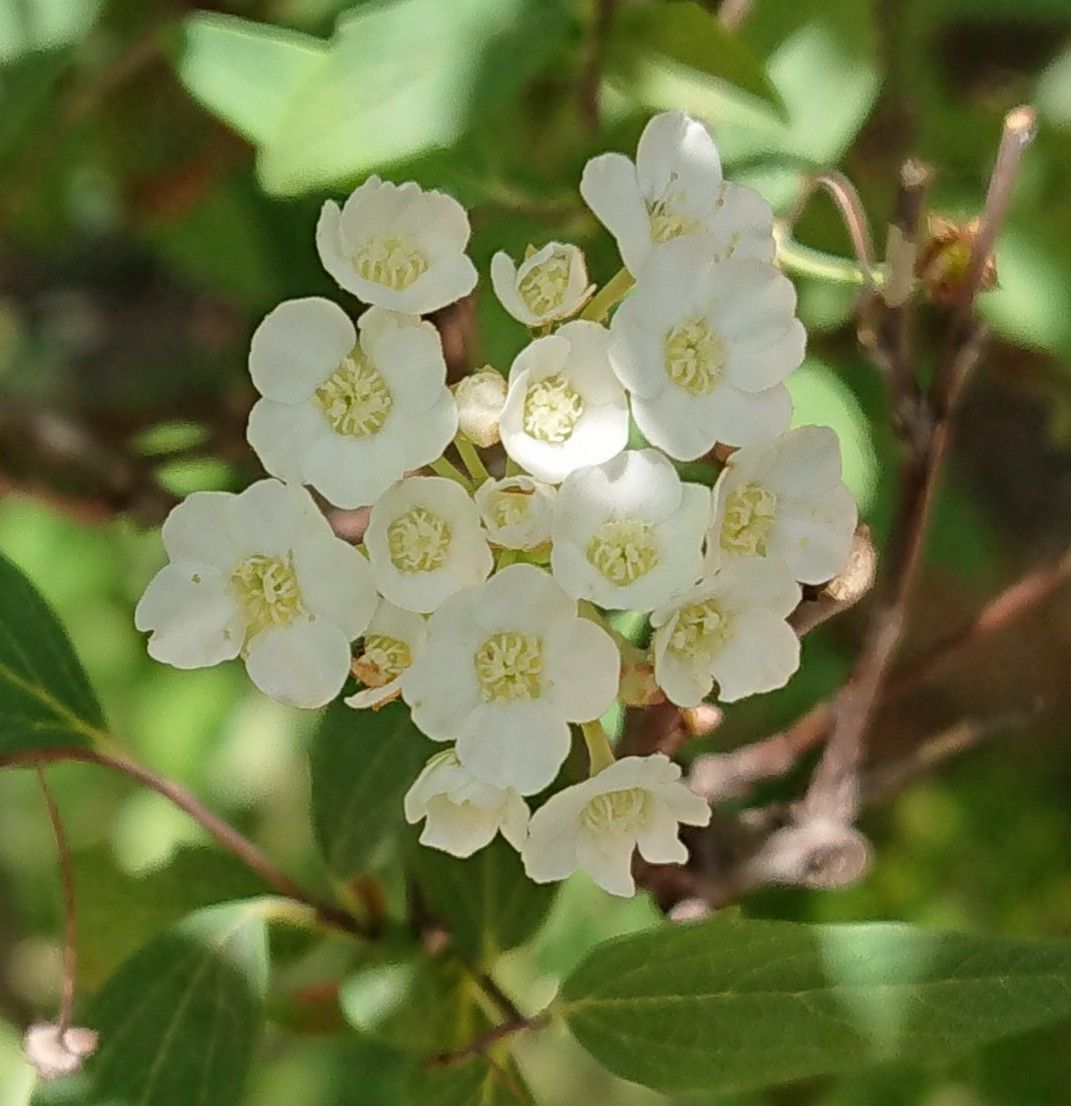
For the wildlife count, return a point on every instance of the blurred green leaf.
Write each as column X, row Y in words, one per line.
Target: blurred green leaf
column 30, row 25
column 487, row 902
column 118, row 912
column 405, row 78
column 45, row 697
column 246, row 73
column 179, row 1021
column 362, row 764
column 474, row 1081
column 683, row 40
column 727, row 1005
column 413, row 1002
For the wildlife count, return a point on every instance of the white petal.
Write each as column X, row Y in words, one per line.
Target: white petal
column 762, row 655
column 513, row 820
column 457, row 829
column 206, row 527
column 686, row 684
column 336, row 583
column 329, row 247
column 297, row 346
column 584, row 666
column 806, row 460
column 760, row 362
column 815, row 538
column 504, row 282
column 369, row 698
column 447, row 281
column 524, row 599
column 675, row 153
column 549, row 854
column 195, row 619
column 673, row 421
column 742, row 419
column 659, row 842
column 282, row 435
column 520, row 745
column 354, row 472
column 304, row 664
column 607, row 858
column 610, row 188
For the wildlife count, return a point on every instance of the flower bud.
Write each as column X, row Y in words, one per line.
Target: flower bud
column 56, row 1052
column 480, row 399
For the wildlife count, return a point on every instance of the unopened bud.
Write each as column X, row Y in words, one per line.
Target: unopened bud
column 55, row 1053
column 480, row 399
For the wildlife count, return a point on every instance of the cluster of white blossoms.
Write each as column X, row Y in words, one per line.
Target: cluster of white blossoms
column 481, row 601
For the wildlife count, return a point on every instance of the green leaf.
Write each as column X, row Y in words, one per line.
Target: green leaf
column 405, row 78
column 27, row 26
column 246, row 73
column 118, row 913
column 683, row 40
column 725, row 1005
column 362, row 764
column 474, row 1081
column 45, row 697
column 179, row 1021
column 487, row 902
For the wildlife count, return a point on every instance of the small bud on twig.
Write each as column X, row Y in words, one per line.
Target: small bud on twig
column 480, row 399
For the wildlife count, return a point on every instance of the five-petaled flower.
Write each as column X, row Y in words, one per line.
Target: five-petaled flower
column 628, row 534
column 348, row 415
column 785, row 502
column 392, row 640
column 594, row 826
column 675, row 189
column 549, row 285
column 565, row 409
column 516, row 511
column 506, row 667
column 397, row 246
column 704, row 348
column 260, row 575
column 731, row 628
column 461, row 812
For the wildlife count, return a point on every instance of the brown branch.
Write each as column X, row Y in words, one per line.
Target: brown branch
column 70, row 917
column 482, row 1043
column 224, row 833
column 850, row 206
column 591, row 79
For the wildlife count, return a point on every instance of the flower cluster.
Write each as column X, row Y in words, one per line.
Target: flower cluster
column 482, row 600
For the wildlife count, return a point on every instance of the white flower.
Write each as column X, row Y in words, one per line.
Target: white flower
column 628, row 535
column 393, row 638
column 259, row 575
column 516, row 511
column 506, row 667
column 785, row 501
column 676, row 189
column 480, row 399
column 550, row 284
column 463, row 813
column 424, row 542
column 704, row 348
column 596, row 825
column 397, row 246
column 565, row 408
column 730, row 628
column 348, row 416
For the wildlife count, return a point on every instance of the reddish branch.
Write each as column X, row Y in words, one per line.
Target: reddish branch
column 70, row 917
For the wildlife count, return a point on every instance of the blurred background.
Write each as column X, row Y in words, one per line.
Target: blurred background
column 158, row 194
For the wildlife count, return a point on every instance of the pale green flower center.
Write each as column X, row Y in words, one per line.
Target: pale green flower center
column 384, row 659
column 267, row 589
column 394, row 260
column 623, row 550
column 552, row 408
column 509, row 667
column 694, row 356
column 355, row 399
column 419, row 540
column 666, row 220
column 511, row 508
column 701, row 629
column 544, row 286
column 625, row 811
column 749, row 518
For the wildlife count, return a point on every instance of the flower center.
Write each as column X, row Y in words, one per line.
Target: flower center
column 552, row 408
column 419, row 540
column 267, row 589
column 544, row 286
column 694, row 356
column 623, row 550
column 749, row 519
column 511, row 508
column 384, row 659
column 394, row 260
column 355, row 399
column 700, row 631
column 509, row 667
column 624, row 811
column 665, row 218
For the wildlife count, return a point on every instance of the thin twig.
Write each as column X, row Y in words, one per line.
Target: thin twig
column 482, row 1043
column 591, row 80
column 224, row 833
column 732, row 13
column 851, row 209
column 70, row 917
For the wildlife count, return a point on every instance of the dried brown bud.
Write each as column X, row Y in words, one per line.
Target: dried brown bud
column 944, row 260
column 821, row 854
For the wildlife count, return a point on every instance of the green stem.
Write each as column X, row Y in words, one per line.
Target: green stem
column 443, row 467
column 609, row 294
column 804, row 261
column 472, row 459
column 600, row 754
